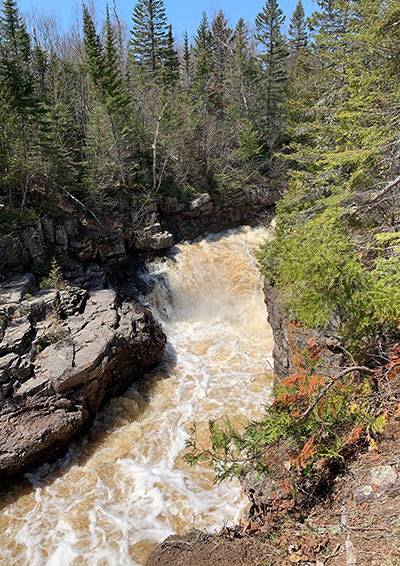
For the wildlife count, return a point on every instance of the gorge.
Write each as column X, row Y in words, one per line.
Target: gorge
column 124, row 487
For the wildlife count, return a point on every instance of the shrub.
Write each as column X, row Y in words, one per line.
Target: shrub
column 55, row 278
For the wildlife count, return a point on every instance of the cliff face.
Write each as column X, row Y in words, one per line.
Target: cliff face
column 62, row 353
column 85, row 243
column 201, row 215
column 292, row 340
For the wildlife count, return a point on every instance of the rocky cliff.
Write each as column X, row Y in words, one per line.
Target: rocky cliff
column 62, row 353
column 292, row 341
column 82, row 244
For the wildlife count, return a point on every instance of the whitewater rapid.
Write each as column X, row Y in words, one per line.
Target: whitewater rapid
column 125, row 487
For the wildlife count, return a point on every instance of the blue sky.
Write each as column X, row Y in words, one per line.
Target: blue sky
column 182, row 14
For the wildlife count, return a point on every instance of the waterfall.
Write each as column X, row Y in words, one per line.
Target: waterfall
column 125, row 487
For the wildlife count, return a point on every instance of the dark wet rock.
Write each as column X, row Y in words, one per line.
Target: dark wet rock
column 201, row 215
column 61, row 236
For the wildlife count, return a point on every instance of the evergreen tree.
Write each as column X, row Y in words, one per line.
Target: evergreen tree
column 39, row 69
column 15, row 58
column 243, row 72
column 149, row 35
column 186, row 61
column 112, row 80
column 171, row 62
column 274, row 56
column 203, row 60
column 94, row 54
column 221, row 35
column 298, row 29
column 103, row 69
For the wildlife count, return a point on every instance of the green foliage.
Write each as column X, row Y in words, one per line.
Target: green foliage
column 311, row 440
column 273, row 58
column 55, row 279
column 324, row 262
column 298, row 29
column 149, row 36
column 250, row 145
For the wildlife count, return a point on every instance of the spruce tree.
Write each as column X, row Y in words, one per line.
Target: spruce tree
column 102, row 66
column 298, row 29
column 171, row 62
column 40, row 66
column 94, row 54
column 149, row 36
column 186, row 61
column 113, row 85
column 203, row 56
column 15, row 58
column 243, row 72
column 221, row 35
column 274, row 56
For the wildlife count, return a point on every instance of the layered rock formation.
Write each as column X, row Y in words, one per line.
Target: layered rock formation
column 201, row 215
column 87, row 243
column 62, row 353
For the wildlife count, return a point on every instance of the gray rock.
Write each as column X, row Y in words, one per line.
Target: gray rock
column 153, row 238
column 64, row 369
column 61, row 236
column 201, row 205
column 16, row 288
column 12, row 251
column 290, row 340
column 16, row 337
column 48, row 229
column 33, row 241
column 381, row 479
column 5, row 390
column 8, row 364
column 71, row 227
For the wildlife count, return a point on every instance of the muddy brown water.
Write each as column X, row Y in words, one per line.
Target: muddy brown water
column 124, row 488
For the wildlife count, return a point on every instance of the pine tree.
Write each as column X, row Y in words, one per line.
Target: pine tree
column 186, row 61
column 203, row 56
column 15, row 58
column 171, row 62
column 298, row 29
column 149, row 36
column 274, row 56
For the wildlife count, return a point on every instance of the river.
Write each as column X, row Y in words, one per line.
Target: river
column 124, row 487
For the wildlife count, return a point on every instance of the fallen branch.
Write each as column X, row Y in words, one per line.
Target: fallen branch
column 333, row 381
column 382, row 193
column 74, row 199
column 376, row 200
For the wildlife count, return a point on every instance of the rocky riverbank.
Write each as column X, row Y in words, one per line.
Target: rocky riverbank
column 62, row 353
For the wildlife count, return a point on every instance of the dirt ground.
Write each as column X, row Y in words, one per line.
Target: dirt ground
column 359, row 525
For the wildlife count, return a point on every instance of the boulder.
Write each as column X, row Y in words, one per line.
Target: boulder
column 58, row 364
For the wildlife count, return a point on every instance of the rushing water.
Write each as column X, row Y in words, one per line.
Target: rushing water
column 125, row 488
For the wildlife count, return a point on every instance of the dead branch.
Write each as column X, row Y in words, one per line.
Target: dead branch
column 332, row 382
